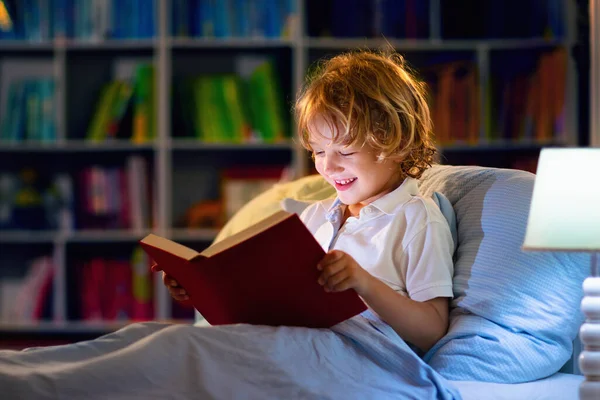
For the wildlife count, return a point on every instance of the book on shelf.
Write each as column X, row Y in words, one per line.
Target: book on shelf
column 406, row 19
column 113, row 289
column 144, row 107
column 232, row 18
column 453, row 90
column 264, row 275
column 91, row 20
column 125, row 109
column 241, row 107
column 527, row 98
column 29, row 111
column 115, row 197
column 28, row 298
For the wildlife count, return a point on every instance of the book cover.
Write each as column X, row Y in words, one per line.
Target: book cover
column 264, row 275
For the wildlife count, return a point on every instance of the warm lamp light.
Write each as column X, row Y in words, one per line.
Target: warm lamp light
column 565, row 216
column 565, row 207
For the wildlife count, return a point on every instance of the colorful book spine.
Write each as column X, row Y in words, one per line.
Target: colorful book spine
column 142, row 288
column 144, row 127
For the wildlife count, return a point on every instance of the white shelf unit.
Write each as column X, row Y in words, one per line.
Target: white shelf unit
column 56, row 57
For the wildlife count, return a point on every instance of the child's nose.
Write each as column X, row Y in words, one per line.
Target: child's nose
column 331, row 164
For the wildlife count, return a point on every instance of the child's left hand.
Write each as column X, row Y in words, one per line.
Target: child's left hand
column 340, row 272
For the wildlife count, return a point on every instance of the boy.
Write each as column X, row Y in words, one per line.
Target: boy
column 366, row 121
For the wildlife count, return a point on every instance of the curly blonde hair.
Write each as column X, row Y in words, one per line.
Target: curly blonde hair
column 370, row 97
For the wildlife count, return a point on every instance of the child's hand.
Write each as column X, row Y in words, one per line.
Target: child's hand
column 340, row 272
column 176, row 291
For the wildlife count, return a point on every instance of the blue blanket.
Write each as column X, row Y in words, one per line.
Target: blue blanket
column 361, row 358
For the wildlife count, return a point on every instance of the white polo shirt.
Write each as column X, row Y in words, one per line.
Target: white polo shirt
column 401, row 238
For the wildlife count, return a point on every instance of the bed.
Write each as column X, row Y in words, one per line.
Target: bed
column 515, row 316
column 513, row 324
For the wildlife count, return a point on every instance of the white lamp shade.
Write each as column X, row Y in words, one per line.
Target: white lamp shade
column 565, row 206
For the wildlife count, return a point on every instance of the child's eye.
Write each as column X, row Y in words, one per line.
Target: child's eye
column 317, row 153
column 347, row 154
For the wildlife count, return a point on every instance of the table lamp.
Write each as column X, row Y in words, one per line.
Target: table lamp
column 565, row 216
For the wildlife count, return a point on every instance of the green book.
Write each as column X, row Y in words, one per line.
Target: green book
column 144, row 110
column 266, row 103
column 102, row 115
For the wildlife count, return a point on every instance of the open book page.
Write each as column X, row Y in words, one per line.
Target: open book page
column 246, row 233
column 170, row 246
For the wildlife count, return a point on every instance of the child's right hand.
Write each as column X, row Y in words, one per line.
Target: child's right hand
column 176, row 291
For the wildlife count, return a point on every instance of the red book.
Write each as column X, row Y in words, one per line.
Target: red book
column 264, row 275
column 116, row 293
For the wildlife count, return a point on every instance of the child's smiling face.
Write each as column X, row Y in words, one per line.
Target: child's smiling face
column 356, row 172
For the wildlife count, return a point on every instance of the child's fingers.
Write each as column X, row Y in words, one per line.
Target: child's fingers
column 155, row 268
column 330, row 258
column 344, row 284
column 178, row 293
column 335, row 279
column 169, row 281
column 330, row 270
column 181, row 297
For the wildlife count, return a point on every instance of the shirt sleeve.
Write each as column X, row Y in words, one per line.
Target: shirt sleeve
column 311, row 217
column 429, row 264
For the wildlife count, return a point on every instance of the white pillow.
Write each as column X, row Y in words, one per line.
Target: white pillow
column 515, row 314
column 298, row 195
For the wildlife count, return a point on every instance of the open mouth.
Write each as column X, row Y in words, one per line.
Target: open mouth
column 344, row 184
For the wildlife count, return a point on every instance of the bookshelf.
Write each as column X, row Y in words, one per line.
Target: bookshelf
column 181, row 168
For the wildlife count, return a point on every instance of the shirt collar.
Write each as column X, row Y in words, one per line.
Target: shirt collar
column 335, row 211
column 396, row 198
column 386, row 204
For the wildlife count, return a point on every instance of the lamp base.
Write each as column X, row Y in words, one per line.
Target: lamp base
column 589, row 359
column 589, row 390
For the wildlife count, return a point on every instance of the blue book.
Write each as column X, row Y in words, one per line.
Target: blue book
column 18, row 114
column 556, row 17
column 242, row 22
column 78, row 18
column 422, row 19
column 45, row 21
column 116, row 19
column 33, row 106
column 196, row 10
column 207, row 20
column 134, row 19
column 149, row 20
column 61, row 18
column 393, row 16
column 48, row 122
column 273, row 21
column 222, row 16
column 258, row 18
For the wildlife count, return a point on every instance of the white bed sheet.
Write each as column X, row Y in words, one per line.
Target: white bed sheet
column 556, row 387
